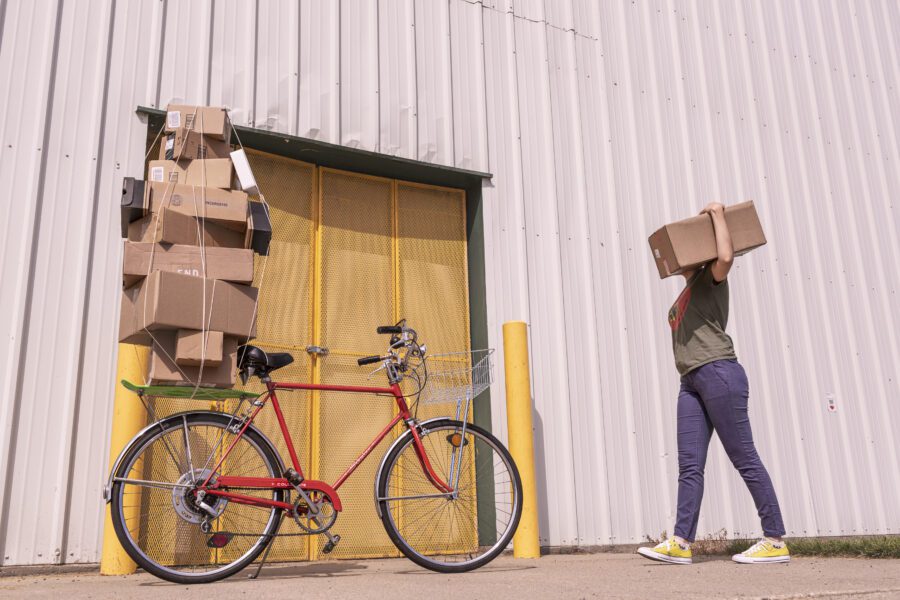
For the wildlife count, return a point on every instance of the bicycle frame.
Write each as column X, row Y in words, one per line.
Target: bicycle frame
column 214, row 486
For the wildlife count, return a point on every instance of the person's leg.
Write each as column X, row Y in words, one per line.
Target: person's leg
column 725, row 392
column 694, row 432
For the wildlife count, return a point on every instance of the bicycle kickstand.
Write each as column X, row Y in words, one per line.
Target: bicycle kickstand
column 265, row 555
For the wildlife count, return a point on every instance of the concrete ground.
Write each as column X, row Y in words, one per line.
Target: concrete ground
column 555, row 576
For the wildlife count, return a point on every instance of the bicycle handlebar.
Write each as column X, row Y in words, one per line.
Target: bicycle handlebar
column 368, row 360
column 389, row 329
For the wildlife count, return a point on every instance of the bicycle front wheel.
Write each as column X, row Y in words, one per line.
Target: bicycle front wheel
column 155, row 512
column 458, row 531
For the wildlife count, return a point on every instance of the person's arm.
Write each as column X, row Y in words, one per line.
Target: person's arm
column 724, row 249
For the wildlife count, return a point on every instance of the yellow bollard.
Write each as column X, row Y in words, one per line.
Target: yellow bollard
column 521, row 434
column 128, row 418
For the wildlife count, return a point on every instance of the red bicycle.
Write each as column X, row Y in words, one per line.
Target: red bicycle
column 199, row 495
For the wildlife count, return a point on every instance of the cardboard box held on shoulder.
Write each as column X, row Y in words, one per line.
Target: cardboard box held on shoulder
column 212, row 172
column 691, row 242
column 190, row 351
column 228, row 264
column 165, row 300
column 164, row 370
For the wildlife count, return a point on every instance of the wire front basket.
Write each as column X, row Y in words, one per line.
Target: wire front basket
column 457, row 377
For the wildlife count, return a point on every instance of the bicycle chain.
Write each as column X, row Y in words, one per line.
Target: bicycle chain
column 233, row 534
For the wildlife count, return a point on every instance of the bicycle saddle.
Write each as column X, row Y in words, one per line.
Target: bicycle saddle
column 251, row 356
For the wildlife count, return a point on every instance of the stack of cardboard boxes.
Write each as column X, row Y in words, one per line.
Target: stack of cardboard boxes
column 189, row 251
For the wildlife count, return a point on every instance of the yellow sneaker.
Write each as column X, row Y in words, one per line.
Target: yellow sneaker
column 763, row 551
column 669, row 551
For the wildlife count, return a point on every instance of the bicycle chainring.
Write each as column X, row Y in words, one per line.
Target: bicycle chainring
column 326, row 517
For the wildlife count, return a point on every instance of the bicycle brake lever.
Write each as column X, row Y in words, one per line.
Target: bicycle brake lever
column 372, row 374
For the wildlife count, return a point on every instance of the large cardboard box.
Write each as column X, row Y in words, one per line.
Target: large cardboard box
column 164, row 370
column 228, row 264
column 194, row 348
column 225, row 207
column 212, row 172
column 211, row 121
column 177, row 228
column 692, row 242
column 165, row 300
column 187, row 144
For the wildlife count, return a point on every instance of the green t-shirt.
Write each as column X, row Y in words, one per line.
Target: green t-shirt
column 698, row 320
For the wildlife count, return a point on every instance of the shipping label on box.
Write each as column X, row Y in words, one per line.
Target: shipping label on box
column 228, row 264
column 166, row 300
column 225, row 207
column 194, row 348
column 692, row 242
column 189, row 145
column 172, row 227
column 213, row 172
column 211, row 121
column 164, row 370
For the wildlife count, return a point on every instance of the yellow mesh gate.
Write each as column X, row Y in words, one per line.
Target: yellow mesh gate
column 349, row 252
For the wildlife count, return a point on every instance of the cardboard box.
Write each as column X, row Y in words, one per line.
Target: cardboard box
column 692, row 242
column 228, row 264
column 186, row 144
column 132, row 202
column 211, row 121
column 189, row 348
column 177, row 228
column 225, row 207
column 259, row 228
column 212, row 172
column 164, row 370
column 166, row 300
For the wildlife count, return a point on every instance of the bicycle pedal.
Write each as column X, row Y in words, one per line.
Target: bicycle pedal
column 219, row 540
column 330, row 544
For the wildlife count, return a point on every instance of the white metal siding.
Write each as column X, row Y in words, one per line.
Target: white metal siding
column 600, row 121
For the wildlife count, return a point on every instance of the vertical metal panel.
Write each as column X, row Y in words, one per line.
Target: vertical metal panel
column 277, row 76
column 232, row 58
column 397, row 78
column 433, row 82
column 467, row 73
column 359, row 74
column 320, row 78
column 600, row 122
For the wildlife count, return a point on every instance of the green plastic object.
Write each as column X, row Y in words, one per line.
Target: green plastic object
column 187, row 391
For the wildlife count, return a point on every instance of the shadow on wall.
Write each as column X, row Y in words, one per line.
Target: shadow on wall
column 540, row 474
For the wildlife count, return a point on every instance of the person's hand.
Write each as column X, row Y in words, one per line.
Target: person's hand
column 715, row 209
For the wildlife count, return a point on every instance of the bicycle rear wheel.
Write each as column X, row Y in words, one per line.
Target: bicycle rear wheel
column 450, row 533
column 157, row 519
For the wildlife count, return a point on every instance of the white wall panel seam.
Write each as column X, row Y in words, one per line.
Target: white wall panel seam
column 858, row 371
column 26, row 275
column 61, row 514
column 892, row 265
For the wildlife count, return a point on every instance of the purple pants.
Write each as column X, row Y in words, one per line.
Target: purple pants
column 714, row 397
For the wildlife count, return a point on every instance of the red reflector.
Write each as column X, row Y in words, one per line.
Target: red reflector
column 219, row 540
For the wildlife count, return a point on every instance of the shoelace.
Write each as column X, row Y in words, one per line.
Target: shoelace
column 760, row 545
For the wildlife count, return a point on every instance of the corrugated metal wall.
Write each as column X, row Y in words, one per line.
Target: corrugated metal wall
column 600, row 121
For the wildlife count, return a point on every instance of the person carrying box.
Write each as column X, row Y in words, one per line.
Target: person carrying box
column 714, row 397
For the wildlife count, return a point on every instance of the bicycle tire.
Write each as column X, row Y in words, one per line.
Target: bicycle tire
column 391, row 527
column 267, row 453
